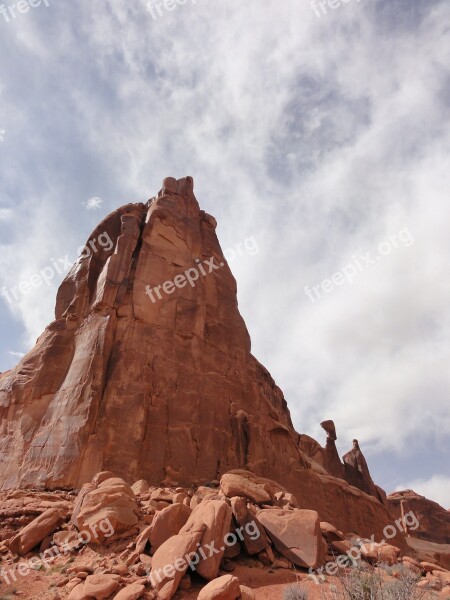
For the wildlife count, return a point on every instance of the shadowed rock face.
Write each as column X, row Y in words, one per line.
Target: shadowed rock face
column 166, row 389
column 357, row 472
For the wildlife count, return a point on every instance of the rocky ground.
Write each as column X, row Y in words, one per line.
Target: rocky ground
column 244, row 537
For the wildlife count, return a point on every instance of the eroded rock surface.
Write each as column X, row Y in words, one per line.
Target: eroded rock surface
column 431, row 522
column 146, row 372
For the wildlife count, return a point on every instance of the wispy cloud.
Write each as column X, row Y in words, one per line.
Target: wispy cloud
column 295, row 134
column 93, row 203
column 6, row 214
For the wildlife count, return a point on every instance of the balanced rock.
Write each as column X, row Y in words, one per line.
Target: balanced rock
column 332, row 462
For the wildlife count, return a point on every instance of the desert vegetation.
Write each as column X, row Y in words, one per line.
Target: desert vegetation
column 366, row 582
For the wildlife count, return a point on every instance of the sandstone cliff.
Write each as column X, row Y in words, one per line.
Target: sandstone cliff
column 164, row 389
column 433, row 519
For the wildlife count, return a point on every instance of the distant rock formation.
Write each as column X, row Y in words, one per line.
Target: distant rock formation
column 433, row 520
column 357, row 472
column 353, row 469
column 146, row 371
column 332, row 462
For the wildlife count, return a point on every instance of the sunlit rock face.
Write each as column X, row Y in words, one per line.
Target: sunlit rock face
column 147, row 372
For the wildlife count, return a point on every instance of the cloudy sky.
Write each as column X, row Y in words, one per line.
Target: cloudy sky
column 325, row 136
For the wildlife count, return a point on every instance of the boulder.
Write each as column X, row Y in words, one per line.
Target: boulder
column 200, row 494
column 167, row 523
column 112, row 502
column 412, row 562
column 100, row 586
column 369, row 551
column 247, row 593
column 185, row 583
column 444, row 576
column 330, row 533
column 223, row 588
column 101, row 477
column 214, row 517
column 142, row 539
column 171, row 561
column 131, row 592
column 286, row 500
column 296, row 535
column 162, row 495
column 66, row 539
column 435, row 583
column 180, row 498
column 341, row 546
column 85, row 489
column 140, row 487
column 232, row 484
column 33, row 534
column 77, row 593
column 430, row 567
column 388, row 554
column 256, row 540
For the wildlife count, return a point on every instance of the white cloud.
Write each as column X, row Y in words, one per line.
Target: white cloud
column 6, row 214
column 436, row 488
column 17, row 354
column 93, row 203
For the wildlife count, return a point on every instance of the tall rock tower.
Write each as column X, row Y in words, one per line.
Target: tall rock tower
column 146, row 371
column 146, row 381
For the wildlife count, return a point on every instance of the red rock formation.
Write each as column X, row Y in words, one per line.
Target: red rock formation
column 147, row 372
column 357, row 472
column 433, row 520
column 332, row 462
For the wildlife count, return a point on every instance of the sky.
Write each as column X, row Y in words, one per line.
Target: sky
column 322, row 133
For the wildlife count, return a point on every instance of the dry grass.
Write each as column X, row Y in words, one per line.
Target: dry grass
column 366, row 582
